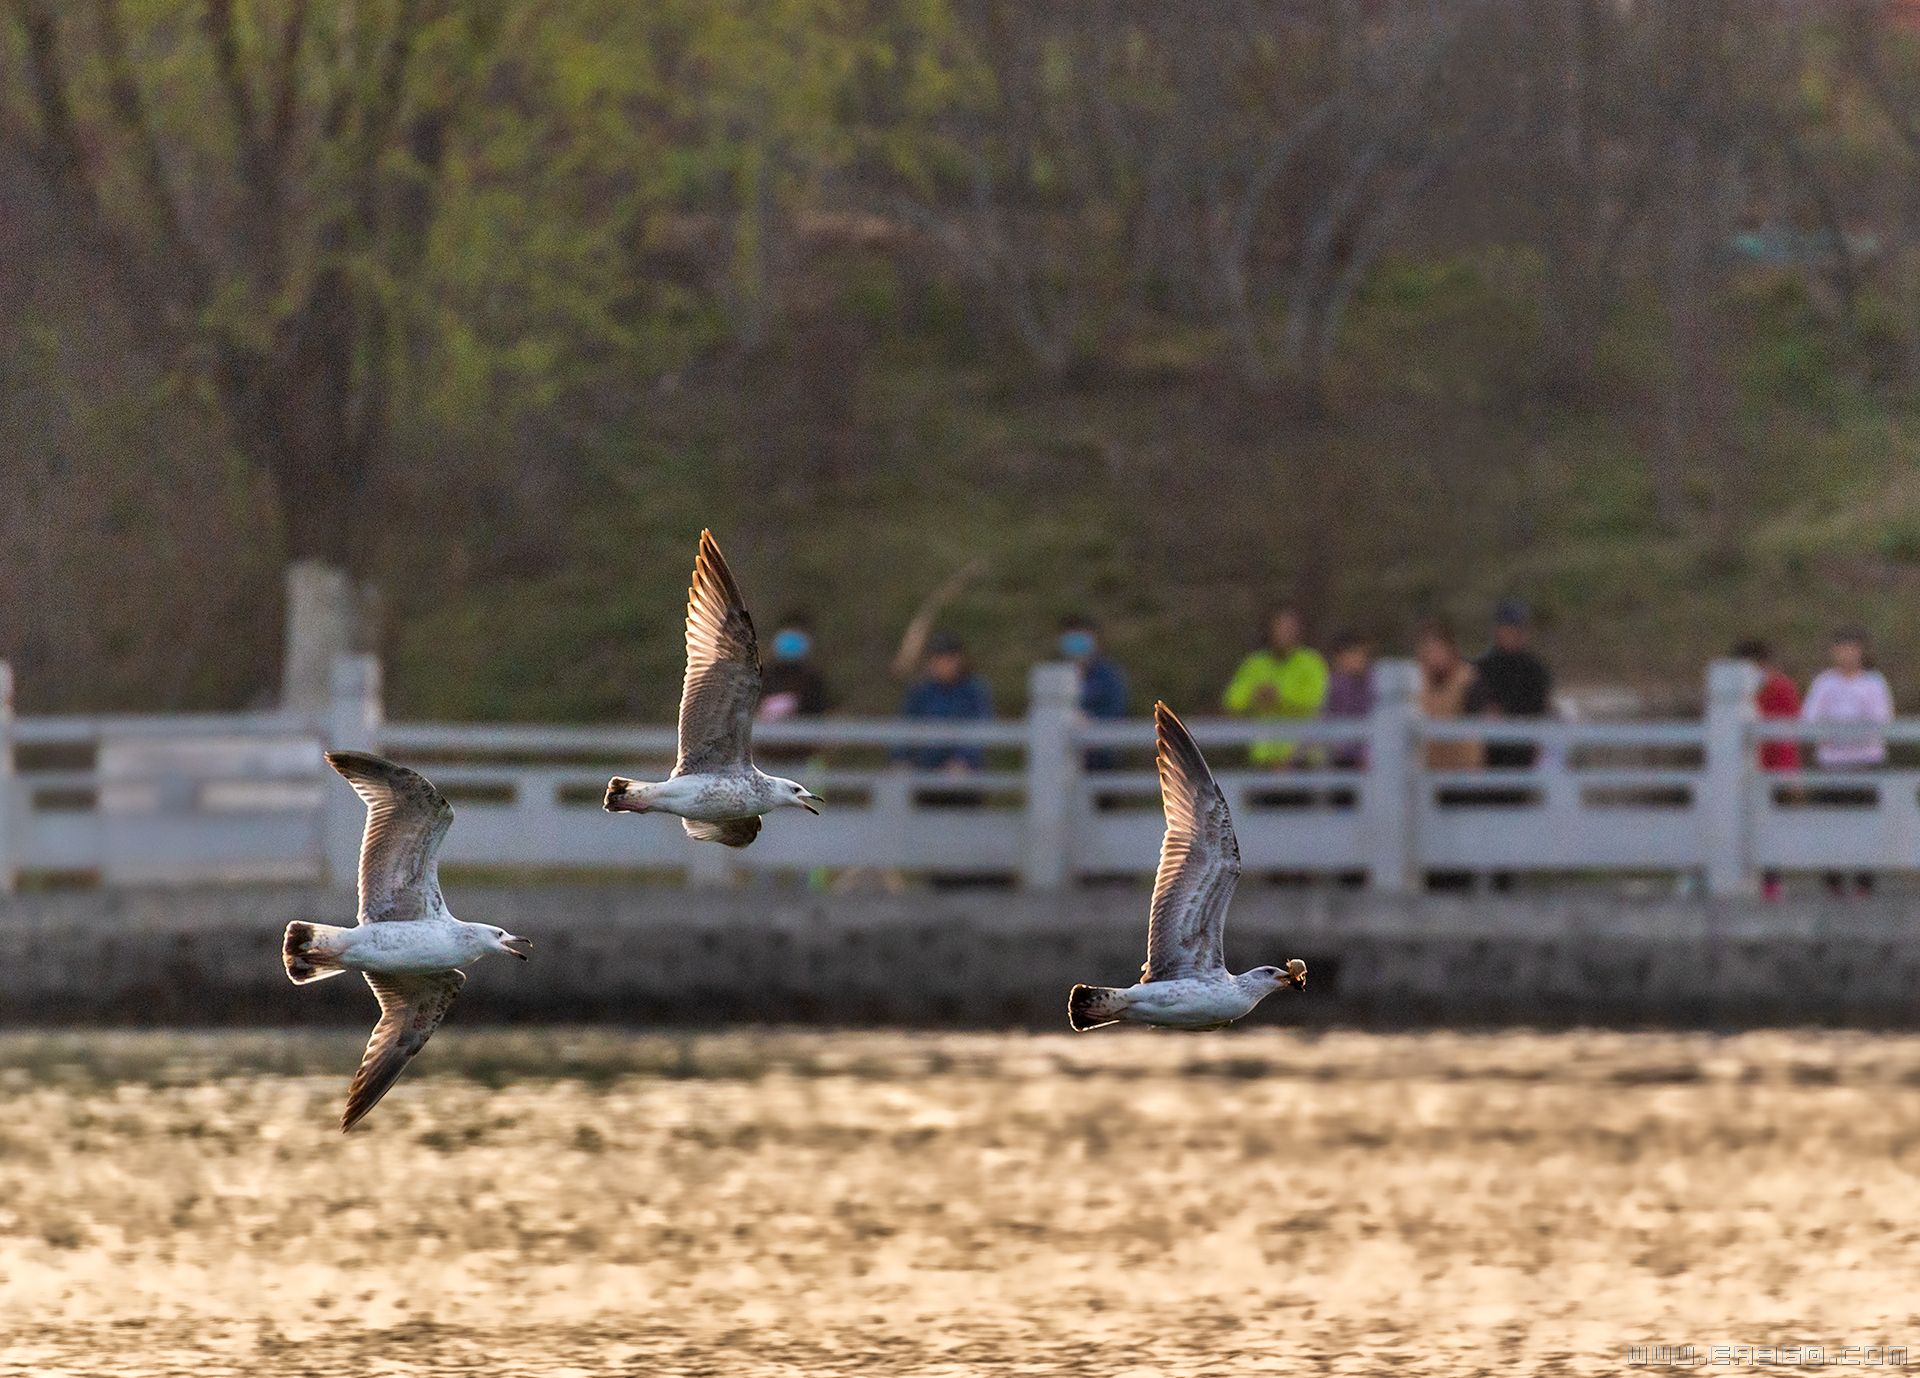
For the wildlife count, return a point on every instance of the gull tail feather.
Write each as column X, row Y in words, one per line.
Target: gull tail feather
column 624, row 796
column 1089, row 1007
column 311, row 952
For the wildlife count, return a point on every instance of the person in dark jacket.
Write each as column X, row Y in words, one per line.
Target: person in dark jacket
column 1510, row 681
column 1103, row 684
column 948, row 690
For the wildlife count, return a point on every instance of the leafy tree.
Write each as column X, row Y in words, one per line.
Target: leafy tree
column 254, row 180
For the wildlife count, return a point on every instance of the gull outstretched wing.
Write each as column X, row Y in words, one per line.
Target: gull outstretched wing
column 407, row 819
column 411, row 1008
column 722, row 687
column 1199, row 861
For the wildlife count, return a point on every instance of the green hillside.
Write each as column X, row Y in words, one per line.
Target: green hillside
column 1438, row 483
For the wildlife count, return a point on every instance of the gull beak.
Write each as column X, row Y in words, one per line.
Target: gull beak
column 513, row 942
column 1297, row 973
column 808, row 800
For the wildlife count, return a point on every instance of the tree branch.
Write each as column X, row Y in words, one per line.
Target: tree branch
column 218, row 25
column 129, row 112
column 63, row 159
column 383, row 110
column 286, row 82
column 1368, row 246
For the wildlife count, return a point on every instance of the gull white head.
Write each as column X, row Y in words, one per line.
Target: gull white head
column 499, row 940
column 795, row 795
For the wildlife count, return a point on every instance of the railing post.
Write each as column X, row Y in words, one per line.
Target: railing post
column 320, row 617
column 1731, row 685
column 1053, row 768
column 9, row 830
column 352, row 724
column 1393, row 779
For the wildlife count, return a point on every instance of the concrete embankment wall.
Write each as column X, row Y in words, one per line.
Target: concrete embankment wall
column 979, row 958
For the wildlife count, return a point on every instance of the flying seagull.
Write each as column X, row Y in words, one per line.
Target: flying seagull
column 715, row 788
column 407, row 945
column 1185, row 983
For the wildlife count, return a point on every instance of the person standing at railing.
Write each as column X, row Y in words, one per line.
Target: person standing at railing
column 791, row 684
column 1103, row 684
column 1349, row 699
column 791, row 687
column 1777, row 699
column 1849, row 690
column 1349, row 695
column 1285, row 678
column 1511, row 681
column 1446, row 680
column 1446, row 683
column 948, row 691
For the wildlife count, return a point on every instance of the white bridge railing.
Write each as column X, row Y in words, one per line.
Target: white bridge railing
column 238, row 797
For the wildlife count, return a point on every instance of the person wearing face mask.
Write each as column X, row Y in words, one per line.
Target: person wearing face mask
column 791, row 685
column 1103, row 684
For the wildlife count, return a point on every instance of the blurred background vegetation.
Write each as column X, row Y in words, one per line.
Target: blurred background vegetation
column 1163, row 310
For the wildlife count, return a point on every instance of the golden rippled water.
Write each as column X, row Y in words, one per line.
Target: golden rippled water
column 1122, row 1204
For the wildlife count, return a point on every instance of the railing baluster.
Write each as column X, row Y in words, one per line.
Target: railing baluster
column 1394, row 767
column 1726, row 830
column 1053, row 768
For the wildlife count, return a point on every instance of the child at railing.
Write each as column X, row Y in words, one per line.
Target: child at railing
column 1777, row 698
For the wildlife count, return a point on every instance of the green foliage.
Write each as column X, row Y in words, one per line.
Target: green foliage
column 757, row 264
column 1791, row 356
column 1900, row 542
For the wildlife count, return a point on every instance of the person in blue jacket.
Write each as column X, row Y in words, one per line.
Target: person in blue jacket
column 952, row 691
column 1103, row 684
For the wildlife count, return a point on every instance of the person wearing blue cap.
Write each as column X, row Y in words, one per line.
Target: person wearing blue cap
column 791, row 684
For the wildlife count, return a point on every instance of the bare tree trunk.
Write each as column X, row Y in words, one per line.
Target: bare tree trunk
column 309, row 405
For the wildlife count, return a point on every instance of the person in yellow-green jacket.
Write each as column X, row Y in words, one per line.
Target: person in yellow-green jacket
column 1283, row 679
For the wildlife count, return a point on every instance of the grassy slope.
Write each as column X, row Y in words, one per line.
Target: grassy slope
column 1441, row 483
